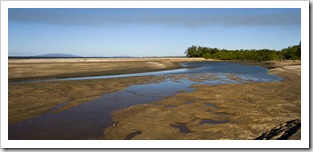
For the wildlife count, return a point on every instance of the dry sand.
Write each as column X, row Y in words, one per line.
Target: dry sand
column 21, row 69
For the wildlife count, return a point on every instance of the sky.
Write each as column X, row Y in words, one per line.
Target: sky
column 144, row 32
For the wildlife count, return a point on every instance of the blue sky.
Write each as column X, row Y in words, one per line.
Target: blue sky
column 149, row 31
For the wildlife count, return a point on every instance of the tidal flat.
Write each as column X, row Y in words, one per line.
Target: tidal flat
column 234, row 111
column 223, row 111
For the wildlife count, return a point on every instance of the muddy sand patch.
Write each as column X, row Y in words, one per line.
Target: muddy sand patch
column 252, row 109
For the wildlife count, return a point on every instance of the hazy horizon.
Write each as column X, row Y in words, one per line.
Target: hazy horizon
column 142, row 32
column 74, row 55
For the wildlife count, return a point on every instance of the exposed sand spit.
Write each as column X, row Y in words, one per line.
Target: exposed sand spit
column 84, row 60
column 21, row 69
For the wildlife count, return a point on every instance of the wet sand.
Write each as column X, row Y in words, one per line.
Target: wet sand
column 28, row 100
column 230, row 111
column 276, row 102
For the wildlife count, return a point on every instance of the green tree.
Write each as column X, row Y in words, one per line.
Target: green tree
column 289, row 53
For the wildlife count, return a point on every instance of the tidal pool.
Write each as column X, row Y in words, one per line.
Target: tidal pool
column 87, row 121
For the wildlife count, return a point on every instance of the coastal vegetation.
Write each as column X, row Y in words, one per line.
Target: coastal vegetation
column 289, row 53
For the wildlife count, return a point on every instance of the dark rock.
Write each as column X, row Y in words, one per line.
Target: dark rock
column 290, row 130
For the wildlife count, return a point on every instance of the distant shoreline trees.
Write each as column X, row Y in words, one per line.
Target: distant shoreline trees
column 290, row 53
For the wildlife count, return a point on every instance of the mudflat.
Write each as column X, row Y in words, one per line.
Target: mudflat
column 230, row 111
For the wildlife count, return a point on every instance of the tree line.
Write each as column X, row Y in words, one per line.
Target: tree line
column 289, row 53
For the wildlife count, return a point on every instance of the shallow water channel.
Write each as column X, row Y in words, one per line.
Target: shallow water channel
column 88, row 121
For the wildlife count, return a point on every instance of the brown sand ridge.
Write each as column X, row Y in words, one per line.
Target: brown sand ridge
column 231, row 111
column 21, row 69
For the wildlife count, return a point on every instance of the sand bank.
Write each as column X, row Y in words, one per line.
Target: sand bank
column 23, row 69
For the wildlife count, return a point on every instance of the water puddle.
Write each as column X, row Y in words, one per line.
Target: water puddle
column 182, row 127
column 209, row 121
column 211, row 105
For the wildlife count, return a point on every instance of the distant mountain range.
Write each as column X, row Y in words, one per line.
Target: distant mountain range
column 52, row 55
column 57, row 55
column 60, row 55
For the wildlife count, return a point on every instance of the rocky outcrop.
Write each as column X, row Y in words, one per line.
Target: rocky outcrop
column 290, row 130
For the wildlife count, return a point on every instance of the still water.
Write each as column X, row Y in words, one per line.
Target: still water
column 87, row 121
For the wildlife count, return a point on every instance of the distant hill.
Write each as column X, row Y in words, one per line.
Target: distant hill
column 54, row 55
column 57, row 55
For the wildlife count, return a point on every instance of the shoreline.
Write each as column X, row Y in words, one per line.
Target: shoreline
column 41, row 69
